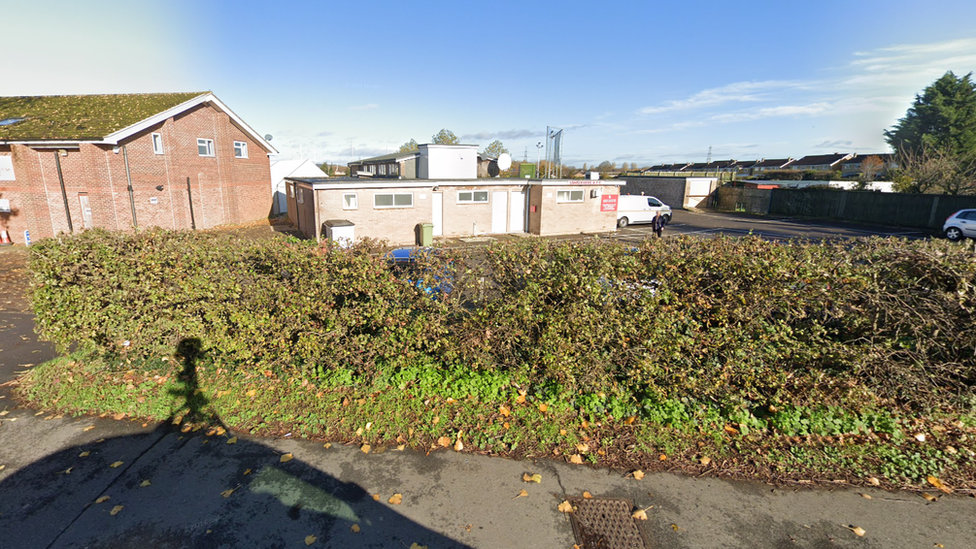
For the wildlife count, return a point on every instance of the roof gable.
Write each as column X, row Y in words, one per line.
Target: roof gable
column 81, row 117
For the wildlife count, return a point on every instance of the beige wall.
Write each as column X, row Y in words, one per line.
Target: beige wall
column 554, row 217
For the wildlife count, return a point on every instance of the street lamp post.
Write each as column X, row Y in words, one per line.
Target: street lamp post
column 538, row 158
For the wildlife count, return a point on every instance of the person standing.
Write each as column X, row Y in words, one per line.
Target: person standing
column 658, row 224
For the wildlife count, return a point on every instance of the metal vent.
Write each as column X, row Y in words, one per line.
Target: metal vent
column 605, row 523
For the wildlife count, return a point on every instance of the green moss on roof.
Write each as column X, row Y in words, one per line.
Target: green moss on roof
column 81, row 117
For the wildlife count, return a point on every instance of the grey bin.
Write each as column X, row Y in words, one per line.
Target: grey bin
column 340, row 231
column 425, row 234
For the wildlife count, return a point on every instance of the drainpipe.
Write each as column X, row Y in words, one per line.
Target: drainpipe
column 189, row 193
column 64, row 194
column 132, row 198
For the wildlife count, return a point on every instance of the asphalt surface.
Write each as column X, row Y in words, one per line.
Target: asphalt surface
column 175, row 489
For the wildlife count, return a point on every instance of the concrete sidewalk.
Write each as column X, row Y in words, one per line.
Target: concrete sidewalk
column 173, row 489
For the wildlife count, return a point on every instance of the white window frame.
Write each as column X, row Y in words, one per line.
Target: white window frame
column 157, row 143
column 382, row 169
column 394, row 205
column 350, row 205
column 206, row 143
column 472, row 199
column 242, row 146
column 568, row 193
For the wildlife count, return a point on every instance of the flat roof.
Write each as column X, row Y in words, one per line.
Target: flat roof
column 323, row 183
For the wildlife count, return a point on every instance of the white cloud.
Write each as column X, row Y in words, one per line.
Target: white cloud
column 737, row 92
column 772, row 112
column 366, row 107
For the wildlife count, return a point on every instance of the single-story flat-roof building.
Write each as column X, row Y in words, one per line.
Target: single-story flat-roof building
column 392, row 209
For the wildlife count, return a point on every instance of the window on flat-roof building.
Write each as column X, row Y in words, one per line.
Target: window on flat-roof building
column 205, row 146
column 393, row 200
column 574, row 195
column 157, row 141
column 350, row 201
column 382, row 169
column 472, row 197
column 240, row 149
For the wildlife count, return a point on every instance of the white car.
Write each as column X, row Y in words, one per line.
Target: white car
column 960, row 225
column 640, row 209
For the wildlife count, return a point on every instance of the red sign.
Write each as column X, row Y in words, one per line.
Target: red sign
column 608, row 202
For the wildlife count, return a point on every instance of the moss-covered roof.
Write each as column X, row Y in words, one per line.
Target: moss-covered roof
column 80, row 117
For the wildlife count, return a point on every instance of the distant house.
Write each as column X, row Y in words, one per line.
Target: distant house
column 852, row 166
column 280, row 169
column 820, row 162
column 171, row 160
column 429, row 161
column 772, row 164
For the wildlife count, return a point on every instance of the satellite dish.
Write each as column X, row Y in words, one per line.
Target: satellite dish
column 504, row 161
column 267, row 137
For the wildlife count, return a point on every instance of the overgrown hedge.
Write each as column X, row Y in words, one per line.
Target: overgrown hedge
column 735, row 323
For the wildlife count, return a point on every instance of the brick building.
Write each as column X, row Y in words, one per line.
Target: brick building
column 174, row 160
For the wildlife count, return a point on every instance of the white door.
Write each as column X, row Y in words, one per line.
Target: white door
column 516, row 218
column 437, row 213
column 499, row 207
column 86, row 212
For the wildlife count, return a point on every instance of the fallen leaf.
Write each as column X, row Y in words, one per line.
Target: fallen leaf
column 232, row 440
column 583, row 448
column 522, row 494
column 396, row 499
column 354, row 528
column 89, row 428
column 145, row 483
column 221, row 431
column 543, row 407
column 115, row 510
column 327, row 445
column 365, row 448
column 731, row 430
column 416, row 545
column 103, row 499
column 376, row 497
column 565, row 507
column 67, row 471
column 247, row 472
column 662, row 457
column 2, row 467
column 587, row 495
column 228, row 492
column 506, row 425
column 400, row 447
column 920, row 437
column 858, row 531
column 536, row 478
column 84, row 454
column 576, row 458
column 562, row 432
column 630, row 420
column 359, row 432
column 520, row 399
column 705, row 461
column 458, row 446
column 444, row 441
column 309, row 540
column 286, row 457
column 934, row 481
column 638, row 474
column 436, row 420
column 251, row 392
column 503, row 410
column 930, row 497
column 116, row 465
column 640, row 514
column 865, row 496
column 675, row 527
column 585, row 424
column 874, row 482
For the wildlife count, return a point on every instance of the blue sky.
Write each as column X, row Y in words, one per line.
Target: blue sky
column 644, row 82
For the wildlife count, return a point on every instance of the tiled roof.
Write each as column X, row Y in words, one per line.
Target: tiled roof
column 80, row 117
column 819, row 159
column 772, row 163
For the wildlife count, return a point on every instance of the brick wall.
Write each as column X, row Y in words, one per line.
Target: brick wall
column 225, row 189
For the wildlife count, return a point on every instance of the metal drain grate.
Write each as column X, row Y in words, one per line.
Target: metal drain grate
column 605, row 523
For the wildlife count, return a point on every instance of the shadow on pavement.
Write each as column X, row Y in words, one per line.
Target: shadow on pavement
column 170, row 488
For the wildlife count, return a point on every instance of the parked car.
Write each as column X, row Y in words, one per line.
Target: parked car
column 405, row 262
column 640, row 209
column 960, row 225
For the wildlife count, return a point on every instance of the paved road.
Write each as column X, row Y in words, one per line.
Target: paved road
column 711, row 224
column 55, row 469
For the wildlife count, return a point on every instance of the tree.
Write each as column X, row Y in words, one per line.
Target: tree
column 584, row 166
column 444, row 137
column 495, row 149
column 871, row 167
column 409, row 146
column 606, row 166
column 935, row 143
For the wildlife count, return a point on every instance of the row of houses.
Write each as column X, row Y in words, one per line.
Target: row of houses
column 845, row 163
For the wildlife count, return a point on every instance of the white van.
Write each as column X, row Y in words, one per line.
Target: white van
column 640, row 209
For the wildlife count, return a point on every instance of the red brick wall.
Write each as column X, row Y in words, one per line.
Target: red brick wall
column 225, row 189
